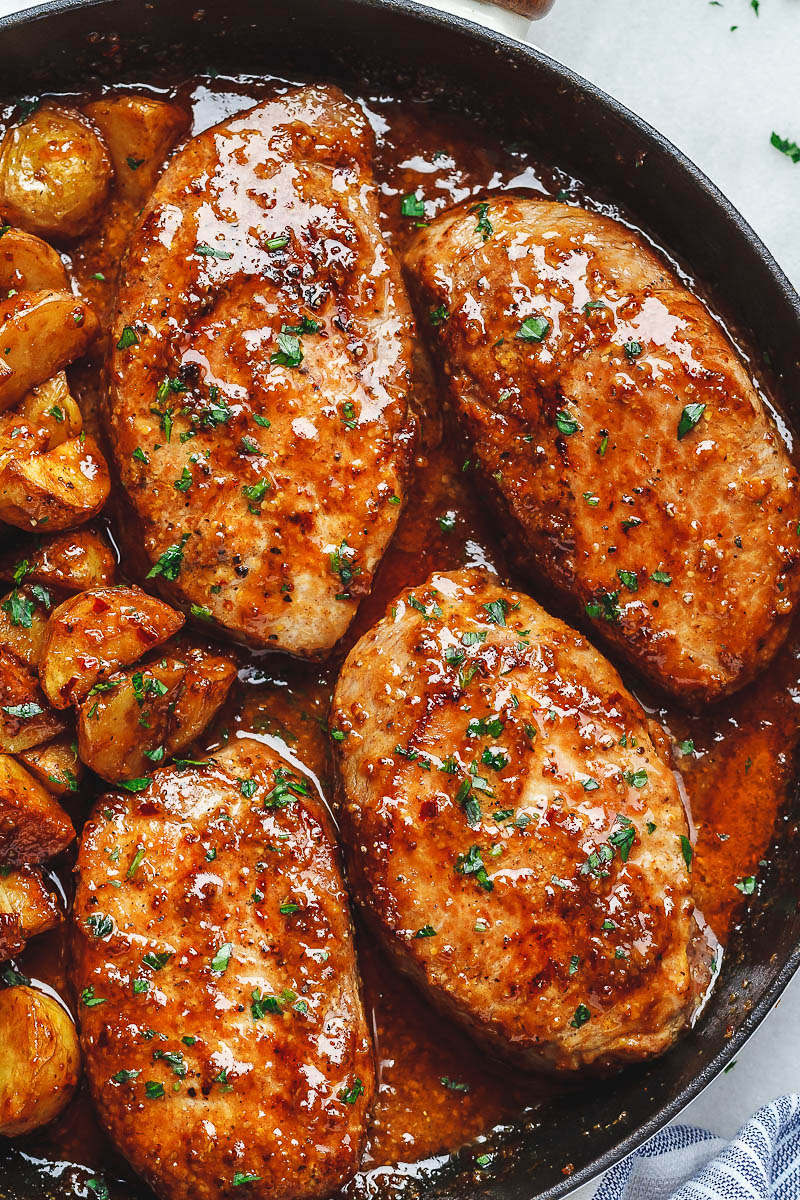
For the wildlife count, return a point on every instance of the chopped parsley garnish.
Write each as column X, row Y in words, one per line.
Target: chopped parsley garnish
column 206, row 251
column 89, row 999
column 438, row 315
column 661, row 577
column 128, row 338
column 689, row 418
column 156, row 960
column 533, row 329
column 290, row 350
column 341, row 564
column 484, row 226
column 471, row 863
column 686, row 850
column 453, row 1085
column 633, row 349
column 185, row 482
column 582, row 1015
column 100, row 924
column 285, row 783
column 426, row 931
column 23, row 712
column 412, row 206
column 153, row 1090
column 170, row 562
column 790, row 149
column 629, row 579
column 19, row 608
column 350, row 1094
column 606, row 607
column 686, row 747
column 240, row 1178
column 624, row 836
column 566, row 424
column 255, row 493
column 636, row 779
column 136, row 862
column 496, row 611
column 219, row 963
column 140, row 784
column 746, row 886
column 125, row 1076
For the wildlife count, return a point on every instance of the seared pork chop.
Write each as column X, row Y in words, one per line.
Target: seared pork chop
column 260, row 381
column 621, row 434
column 514, row 832
column 221, row 1022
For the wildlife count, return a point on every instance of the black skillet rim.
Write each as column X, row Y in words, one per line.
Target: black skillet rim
column 528, row 56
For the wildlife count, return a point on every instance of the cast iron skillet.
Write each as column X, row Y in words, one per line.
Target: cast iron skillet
column 518, row 91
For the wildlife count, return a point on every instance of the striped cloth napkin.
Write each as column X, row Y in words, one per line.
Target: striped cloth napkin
column 685, row 1163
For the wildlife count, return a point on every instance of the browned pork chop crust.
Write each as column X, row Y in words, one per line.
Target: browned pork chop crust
column 621, row 434
column 514, row 831
column 220, row 1014
column 260, row 382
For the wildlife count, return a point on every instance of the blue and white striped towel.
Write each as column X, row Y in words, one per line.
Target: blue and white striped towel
column 685, row 1163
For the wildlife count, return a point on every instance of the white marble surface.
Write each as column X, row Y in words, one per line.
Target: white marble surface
column 718, row 95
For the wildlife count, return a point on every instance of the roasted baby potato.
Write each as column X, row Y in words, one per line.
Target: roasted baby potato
column 60, row 488
column 27, row 264
column 40, row 332
column 26, row 720
column 26, row 908
column 46, row 417
column 55, row 764
column 55, row 173
column 73, row 561
column 41, row 1061
column 139, row 132
column 92, row 635
column 148, row 714
column 33, row 825
column 24, row 613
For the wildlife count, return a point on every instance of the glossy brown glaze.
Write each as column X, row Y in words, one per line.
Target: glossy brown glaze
column 259, row 398
column 220, row 1018
column 621, row 434
column 443, row 159
column 514, row 832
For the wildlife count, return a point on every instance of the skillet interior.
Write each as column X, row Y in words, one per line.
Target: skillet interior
column 581, row 130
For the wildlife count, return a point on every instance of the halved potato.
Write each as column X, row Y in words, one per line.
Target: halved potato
column 46, row 417
column 74, row 561
column 40, row 332
column 27, row 907
column 120, row 727
column 41, row 1061
column 58, row 489
column 151, row 713
column 24, row 614
column 206, row 684
column 55, row 173
column 33, row 825
column 55, row 764
column 92, row 635
column 27, row 264
column 139, row 132
column 26, row 719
